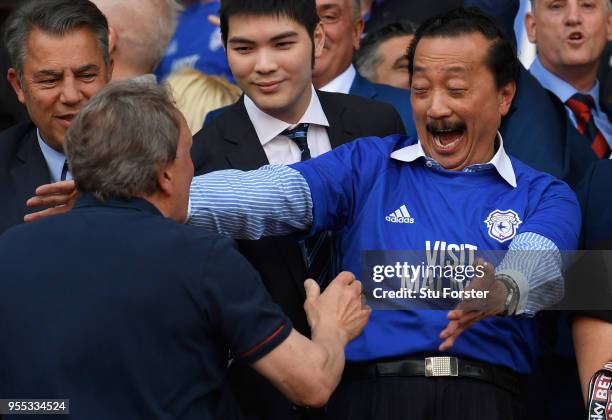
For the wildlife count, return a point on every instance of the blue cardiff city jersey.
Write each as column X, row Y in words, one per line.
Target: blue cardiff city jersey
column 196, row 44
column 376, row 202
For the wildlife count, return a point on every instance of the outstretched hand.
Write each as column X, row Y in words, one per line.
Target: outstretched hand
column 472, row 310
column 59, row 197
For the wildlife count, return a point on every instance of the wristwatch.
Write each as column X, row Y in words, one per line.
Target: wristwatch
column 512, row 298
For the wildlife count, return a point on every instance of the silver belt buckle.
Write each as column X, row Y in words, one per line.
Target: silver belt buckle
column 441, row 366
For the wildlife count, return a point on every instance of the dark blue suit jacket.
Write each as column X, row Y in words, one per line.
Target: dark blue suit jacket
column 22, row 169
column 538, row 132
column 399, row 98
column 128, row 314
column 596, row 202
column 589, row 281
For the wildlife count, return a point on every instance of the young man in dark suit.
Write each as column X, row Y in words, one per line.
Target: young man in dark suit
column 59, row 59
column 271, row 47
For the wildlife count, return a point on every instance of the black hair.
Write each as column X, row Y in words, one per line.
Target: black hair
column 388, row 31
column 303, row 12
column 501, row 58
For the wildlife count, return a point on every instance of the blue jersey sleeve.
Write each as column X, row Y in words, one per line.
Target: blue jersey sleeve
column 337, row 178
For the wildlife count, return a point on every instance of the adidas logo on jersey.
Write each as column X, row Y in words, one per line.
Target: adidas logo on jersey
column 400, row 215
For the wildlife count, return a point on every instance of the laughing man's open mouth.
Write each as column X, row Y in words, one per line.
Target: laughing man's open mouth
column 446, row 135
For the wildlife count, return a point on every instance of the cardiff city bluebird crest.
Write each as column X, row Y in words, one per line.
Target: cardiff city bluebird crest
column 503, row 224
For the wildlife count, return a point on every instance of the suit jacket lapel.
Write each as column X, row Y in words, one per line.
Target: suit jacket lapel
column 248, row 152
column 340, row 129
column 30, row 169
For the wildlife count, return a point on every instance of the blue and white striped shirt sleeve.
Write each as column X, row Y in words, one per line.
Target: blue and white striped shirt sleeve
column 273, row 200
column 535, row 263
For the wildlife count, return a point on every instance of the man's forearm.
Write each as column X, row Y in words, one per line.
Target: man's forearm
column 330, row 359
column 274, row 200
column 535, row 263
column 305, row 371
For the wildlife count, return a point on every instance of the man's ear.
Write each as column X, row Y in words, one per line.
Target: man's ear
column 609, row 26
column 112, row 40
column 506, row 94
column 112, row 45
column 530, row 27
column 319, row 40
column 165, row 181
column 13, row 79
column 357, row 32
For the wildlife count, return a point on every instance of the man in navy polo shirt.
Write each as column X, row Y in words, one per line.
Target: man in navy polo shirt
column 456, row 185
column 139, row 323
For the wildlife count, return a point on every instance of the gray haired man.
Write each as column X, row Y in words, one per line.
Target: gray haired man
column 139, row 325
column 59, row 59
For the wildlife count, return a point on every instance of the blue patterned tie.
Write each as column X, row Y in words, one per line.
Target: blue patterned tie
column 317, row 250
column 299, row 135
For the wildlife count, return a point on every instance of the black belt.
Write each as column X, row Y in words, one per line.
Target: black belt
column 436, row 367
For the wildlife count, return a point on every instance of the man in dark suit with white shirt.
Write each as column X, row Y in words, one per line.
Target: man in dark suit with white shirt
column 59, row 59
column 271, row 52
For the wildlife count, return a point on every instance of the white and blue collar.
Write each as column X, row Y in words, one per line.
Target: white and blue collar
column 500, row 161
column 55, row 160
column 267, row 127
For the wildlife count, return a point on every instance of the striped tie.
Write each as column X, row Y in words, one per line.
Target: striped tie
column 316, row 250
column 299, row 135
column 582, row 106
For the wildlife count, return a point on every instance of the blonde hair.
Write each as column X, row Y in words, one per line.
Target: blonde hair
column 196, row 94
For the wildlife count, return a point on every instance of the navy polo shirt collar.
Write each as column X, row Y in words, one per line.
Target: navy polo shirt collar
column 135, row 203
column 500, row 162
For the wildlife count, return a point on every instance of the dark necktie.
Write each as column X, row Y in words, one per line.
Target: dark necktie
column 299, row 135
column 64, row 171
column 317, row 250
column 582, row 107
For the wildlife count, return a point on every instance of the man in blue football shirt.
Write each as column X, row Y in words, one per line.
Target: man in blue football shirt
column 455, row 187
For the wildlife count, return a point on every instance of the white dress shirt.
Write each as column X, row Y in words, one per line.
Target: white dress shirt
column 55, row 160
column 280, row 149
column 343, row 82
